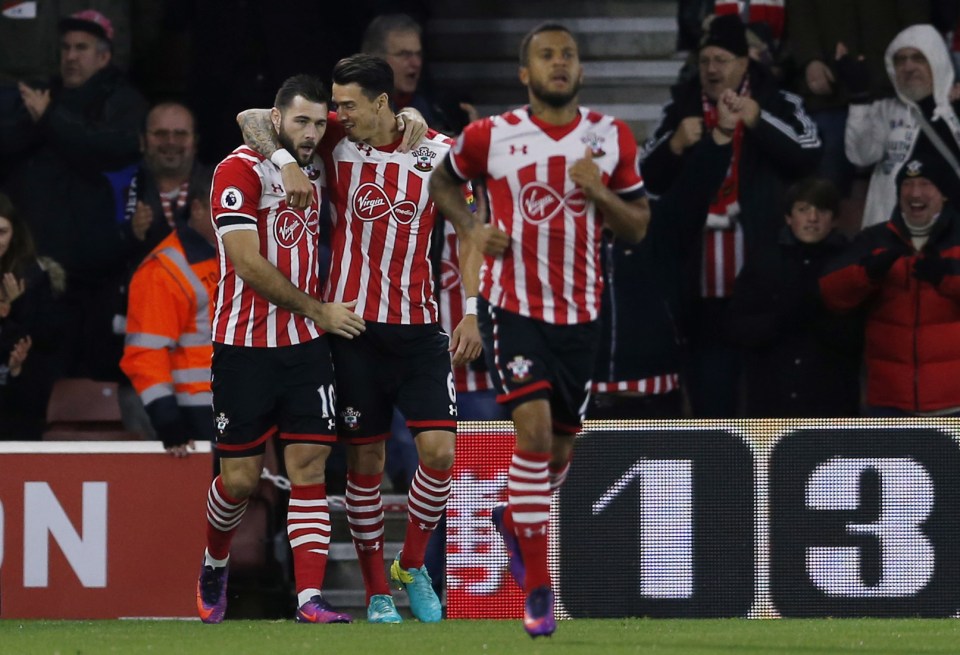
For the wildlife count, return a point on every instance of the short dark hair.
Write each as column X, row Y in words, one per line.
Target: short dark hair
column 819, row 192
column 375, row 36
column 308, row 87
column 542, row 27
column 370, row 73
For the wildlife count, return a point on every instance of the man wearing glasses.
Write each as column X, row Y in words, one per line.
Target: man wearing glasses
column 774, row 143
column 166, row 177
column 396, row 39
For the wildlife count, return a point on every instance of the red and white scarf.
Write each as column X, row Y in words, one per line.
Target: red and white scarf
column 722, row 234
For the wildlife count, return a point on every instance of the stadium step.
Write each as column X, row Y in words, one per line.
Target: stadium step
column 628, row 49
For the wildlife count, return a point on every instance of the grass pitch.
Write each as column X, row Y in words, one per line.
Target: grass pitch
column 593, row 637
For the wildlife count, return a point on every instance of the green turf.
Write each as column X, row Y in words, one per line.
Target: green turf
column 594, row 637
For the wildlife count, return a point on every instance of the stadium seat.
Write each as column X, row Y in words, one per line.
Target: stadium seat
column 85, row 410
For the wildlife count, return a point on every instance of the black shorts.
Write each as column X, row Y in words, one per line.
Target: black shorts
column 530, row 359
column 407, row 366
column 259, row 391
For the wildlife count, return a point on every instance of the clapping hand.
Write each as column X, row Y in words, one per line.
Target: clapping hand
column 141, row 220
column 35, row 100
column 18, row 355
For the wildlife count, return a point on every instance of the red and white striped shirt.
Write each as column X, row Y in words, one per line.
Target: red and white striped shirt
column 452, row 307
column 552, row 271
column 383, row 221
column 248, row 194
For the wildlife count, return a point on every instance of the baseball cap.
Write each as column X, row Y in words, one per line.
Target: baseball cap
column 88, row 20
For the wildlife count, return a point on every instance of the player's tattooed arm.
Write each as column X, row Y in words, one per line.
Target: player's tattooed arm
column 258, row 131
column 260, row 135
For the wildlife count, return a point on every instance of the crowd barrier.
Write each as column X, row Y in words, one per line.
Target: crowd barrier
column 761, row 519
column 756, row 519
column 98, row 530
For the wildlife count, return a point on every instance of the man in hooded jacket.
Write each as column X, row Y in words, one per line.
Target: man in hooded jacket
column 888, row 132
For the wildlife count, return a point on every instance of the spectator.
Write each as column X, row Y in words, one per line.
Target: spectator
column 800, row 360
column 396, row 38
column 884, row 134
column 156, row 200
column 77, row 142
column 30, row 322
column 774, row 142
column 903, row 273
column 865, row 28
column 168, row 348
column 640, row 357
column 168, row 175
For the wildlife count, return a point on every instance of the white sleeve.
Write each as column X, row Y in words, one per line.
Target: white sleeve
column 866, row 133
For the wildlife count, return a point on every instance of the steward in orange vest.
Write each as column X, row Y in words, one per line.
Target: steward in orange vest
column 167, row 351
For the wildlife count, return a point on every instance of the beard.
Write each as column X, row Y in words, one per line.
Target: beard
column 287, row 143
column 555, row 99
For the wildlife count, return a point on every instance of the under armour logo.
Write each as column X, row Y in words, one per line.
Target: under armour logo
column 521, row 149
column 529, row 532
column 364, row 148
column 374, row 546
column 453, row 410
column 370, row 202
column 331, row 425
column 277, row 188
column 540, row 202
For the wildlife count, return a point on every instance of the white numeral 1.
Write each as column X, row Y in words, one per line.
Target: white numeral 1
column 665, row 528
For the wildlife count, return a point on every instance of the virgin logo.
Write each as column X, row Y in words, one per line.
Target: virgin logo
column 290, row 226
column 540, row 203
column 370, row 202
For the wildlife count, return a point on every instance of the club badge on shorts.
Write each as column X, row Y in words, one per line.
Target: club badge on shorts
column 520, row 368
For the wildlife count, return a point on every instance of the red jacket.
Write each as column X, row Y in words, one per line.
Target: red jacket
column 913, row 327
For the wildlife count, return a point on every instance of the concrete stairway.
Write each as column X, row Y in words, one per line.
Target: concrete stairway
column 627, row 49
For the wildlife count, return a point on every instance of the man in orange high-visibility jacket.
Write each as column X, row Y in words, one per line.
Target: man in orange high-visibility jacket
column 167, row 351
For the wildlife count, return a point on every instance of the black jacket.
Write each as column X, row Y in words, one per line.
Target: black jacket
column 60, row 183
column 800, row 359
column 642, row 308
column 782, row 147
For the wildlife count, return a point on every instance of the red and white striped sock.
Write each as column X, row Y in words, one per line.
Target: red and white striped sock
column 426, row 503
column 528, row 489
column 558, row 475
column 308, row 528
column 365, row 516
column 223, row 516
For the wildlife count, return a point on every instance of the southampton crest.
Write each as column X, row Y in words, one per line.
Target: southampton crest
column 423, row 155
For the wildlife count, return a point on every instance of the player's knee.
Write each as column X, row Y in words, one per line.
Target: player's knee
column 367, row 458
column 440, row 457
column 436, row 449
column 240, row 481
column 535, row 440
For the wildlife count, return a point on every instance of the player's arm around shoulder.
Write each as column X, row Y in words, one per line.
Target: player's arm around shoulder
column 260, row 135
